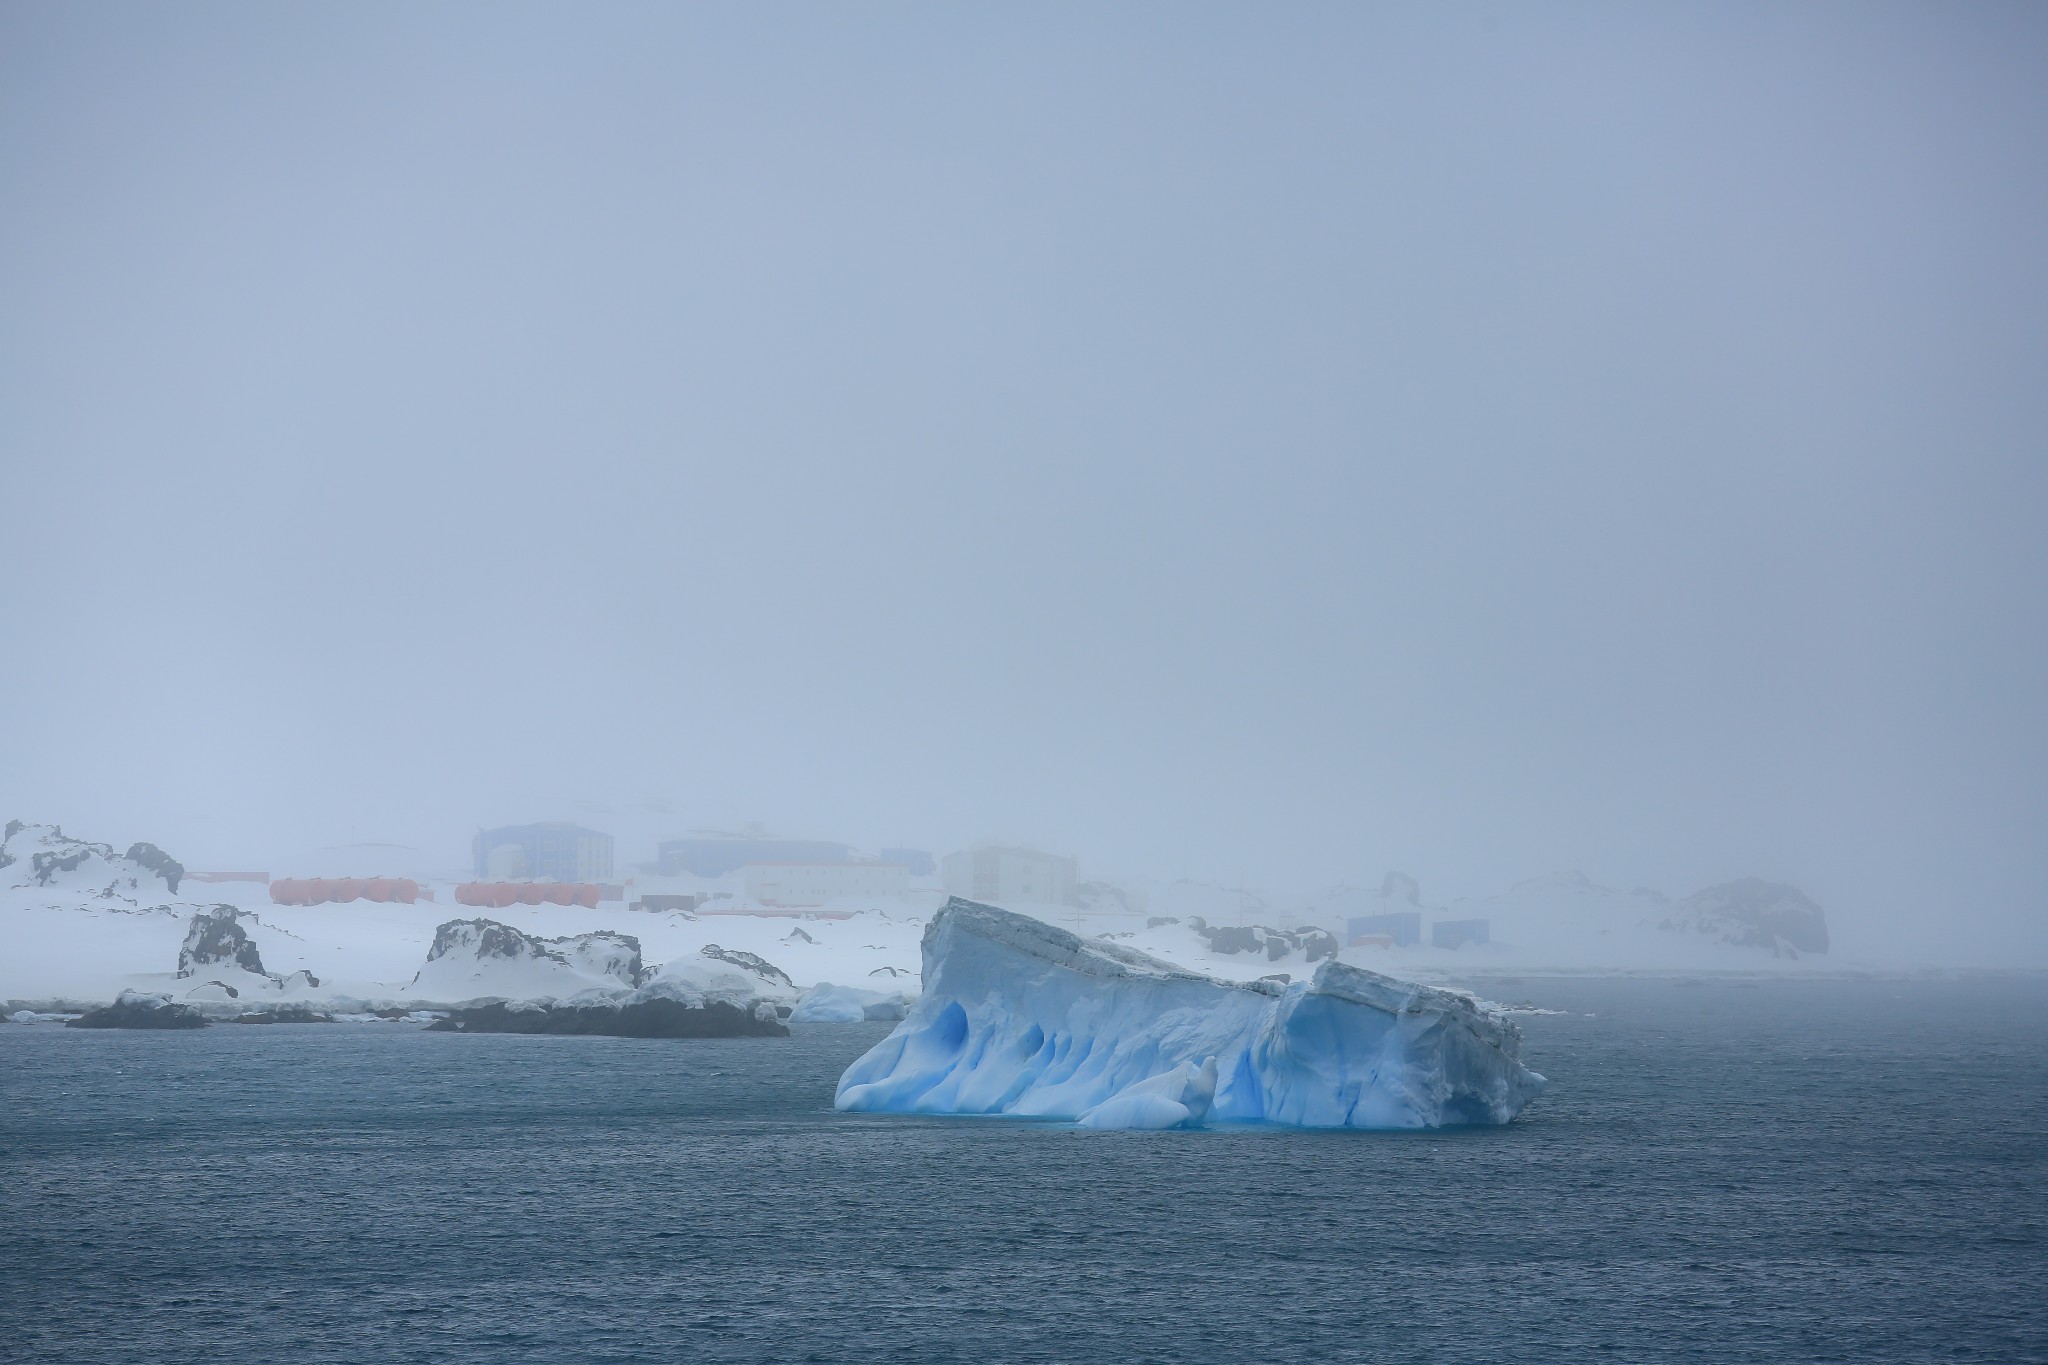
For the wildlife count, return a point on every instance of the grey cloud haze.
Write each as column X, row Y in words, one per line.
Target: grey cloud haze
column 1258, row 446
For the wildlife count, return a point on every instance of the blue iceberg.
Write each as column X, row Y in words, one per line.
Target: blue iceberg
column 1021, row 1017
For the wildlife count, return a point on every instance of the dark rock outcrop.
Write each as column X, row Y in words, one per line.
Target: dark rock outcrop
column 1753, row 913
column 601, row 953
column 656, row 1018
column 284, row 1014
column 65, row 855
column 1231, row 939
column 159, row 862
column 216, row 939
column 134, row 1009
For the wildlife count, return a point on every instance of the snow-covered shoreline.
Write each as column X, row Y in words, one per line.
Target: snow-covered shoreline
column 83, row 922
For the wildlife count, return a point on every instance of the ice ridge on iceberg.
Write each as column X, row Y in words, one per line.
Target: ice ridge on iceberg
column 1021, row 1017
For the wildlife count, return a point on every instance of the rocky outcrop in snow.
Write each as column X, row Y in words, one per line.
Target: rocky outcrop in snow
column 751, row 962
column 219, row 951
column 1572, row 914
column 1021, row 1017
column 477, row 959
column 511, row 981
column 1228, row 939
column 45, row 856
column 1752, row 913
column 159, row 862
column 731, row 995
column 215, row 938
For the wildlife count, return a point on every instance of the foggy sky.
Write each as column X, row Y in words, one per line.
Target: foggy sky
column 1263, row 444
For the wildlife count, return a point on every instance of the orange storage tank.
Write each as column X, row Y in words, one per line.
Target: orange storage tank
column 404, row 890
column 586, row 896
column 377, row 889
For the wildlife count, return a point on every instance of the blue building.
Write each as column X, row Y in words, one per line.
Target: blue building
column 714, row 855
column 1403, row 926
column 555, row 851
column 1457, row 933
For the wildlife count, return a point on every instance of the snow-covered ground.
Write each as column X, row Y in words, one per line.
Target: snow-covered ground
column 100, row 924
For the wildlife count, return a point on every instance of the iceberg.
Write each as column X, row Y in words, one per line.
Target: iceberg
column 826, row 1003
column 1021, row 1017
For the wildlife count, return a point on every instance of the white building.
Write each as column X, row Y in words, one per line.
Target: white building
column 997, row 872
column 782, row 884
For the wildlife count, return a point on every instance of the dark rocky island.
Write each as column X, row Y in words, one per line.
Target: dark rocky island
column 656, row 1018
column 136, row 1010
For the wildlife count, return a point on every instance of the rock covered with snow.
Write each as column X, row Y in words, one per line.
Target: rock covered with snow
column 480, row 959
column 216, row 938
column 1752, row 913
column 1312, row 944
column 1020, row 1017
column 45, row 856
column 504, row 980
column 1580, row 920
column 705, row 980
column 225, row 962
column 750, row 962
column 693, row 997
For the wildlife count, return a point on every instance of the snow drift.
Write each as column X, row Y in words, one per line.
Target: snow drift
column 1019, row 1017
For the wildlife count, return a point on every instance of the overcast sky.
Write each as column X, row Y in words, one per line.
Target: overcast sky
column 1259, row 443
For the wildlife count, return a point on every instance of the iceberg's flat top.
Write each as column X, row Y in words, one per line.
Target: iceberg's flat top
column 1060, row 948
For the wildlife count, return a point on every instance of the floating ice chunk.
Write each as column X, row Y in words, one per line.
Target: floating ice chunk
column 1020, row 1017
column 826, row 1003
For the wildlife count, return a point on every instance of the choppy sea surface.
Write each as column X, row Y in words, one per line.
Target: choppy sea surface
column 1720, row 1172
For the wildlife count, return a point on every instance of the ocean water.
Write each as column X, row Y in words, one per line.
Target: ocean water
column 1778, row 1171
